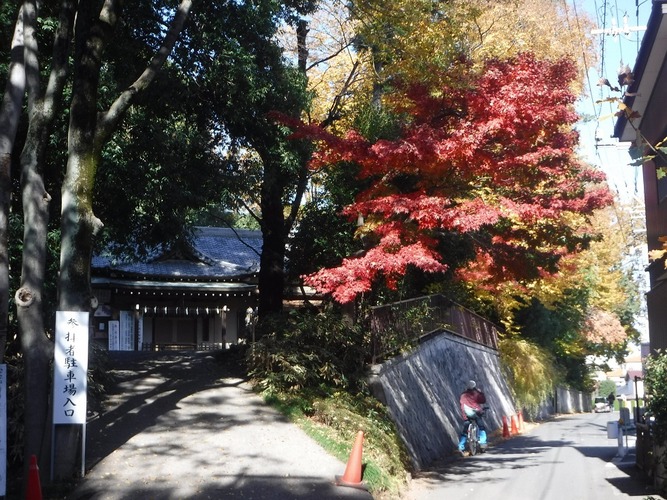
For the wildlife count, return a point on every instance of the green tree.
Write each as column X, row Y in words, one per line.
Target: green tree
column 606, row 387
column 244, row 78
column 158, row 170
column 88, row 132
column 149, row 165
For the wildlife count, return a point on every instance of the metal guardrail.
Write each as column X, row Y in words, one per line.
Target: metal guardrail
column 400, row 326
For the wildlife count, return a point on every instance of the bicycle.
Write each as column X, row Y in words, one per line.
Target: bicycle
column 472, row 438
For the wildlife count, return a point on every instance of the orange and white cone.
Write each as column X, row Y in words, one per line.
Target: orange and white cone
column 506, row 430
column 515, row 429
column 352, row 476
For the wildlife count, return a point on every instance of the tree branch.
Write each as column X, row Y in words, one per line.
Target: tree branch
column 331, row 56
column 332, row 114
column 250, row 210
column 108, row 121
column 59, row 62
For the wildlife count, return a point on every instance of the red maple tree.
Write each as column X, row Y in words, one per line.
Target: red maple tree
column 493, row 160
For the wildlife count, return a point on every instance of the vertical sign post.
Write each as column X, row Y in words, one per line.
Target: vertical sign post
column 3, row 430
column 70, row 372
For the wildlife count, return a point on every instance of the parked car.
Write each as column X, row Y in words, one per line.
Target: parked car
column 601, row 405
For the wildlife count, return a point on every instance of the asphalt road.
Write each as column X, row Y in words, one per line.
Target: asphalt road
column 569, row 458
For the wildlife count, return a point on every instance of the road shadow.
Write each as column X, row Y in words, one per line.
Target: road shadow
column 244, row 487
column 146, row 393
column 148, row 386
column 519, row 452
column 635, row 482
column 522, row 452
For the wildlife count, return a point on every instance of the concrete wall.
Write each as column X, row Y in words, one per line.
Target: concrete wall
column 422, row 392
column 564, row 400
column 571, row 401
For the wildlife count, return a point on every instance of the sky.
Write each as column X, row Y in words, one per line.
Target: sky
column 618, row 46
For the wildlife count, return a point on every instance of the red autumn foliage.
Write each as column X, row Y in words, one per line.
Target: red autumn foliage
column 493, row 160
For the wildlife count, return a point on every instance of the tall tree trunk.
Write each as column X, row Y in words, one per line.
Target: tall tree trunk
column 10, row 112
column 274, row 224
column 37, row 349
column 78, row 224
column 276, row 227
column 272, row 261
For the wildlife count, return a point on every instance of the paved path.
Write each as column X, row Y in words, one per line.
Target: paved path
column 180, row 427
column 569, row 457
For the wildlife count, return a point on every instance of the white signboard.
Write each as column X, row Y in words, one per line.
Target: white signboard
column 114, row 335
column 126, row 331
column 140, row 330
column 70, row 367
column 3, row 430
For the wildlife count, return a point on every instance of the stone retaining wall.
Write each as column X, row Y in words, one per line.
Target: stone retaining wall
column 422, row 392
column 422, row 389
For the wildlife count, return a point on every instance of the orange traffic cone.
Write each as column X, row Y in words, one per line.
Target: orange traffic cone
column 506, row 431
column 34, row 491
column 352, row 476
column 515, row 429
column 521, row 421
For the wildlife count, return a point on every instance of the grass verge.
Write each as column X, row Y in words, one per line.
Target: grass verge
column 334, row 422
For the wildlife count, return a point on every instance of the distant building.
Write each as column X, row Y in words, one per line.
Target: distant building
column 628, row 376
column 202, row 296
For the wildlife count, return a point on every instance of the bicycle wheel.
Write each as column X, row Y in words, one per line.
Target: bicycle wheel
column 473, row 438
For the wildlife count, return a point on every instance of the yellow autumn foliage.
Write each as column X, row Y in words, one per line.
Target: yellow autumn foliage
column 600, row 269
column 659, row 253
column 355, row 52
column 551, row 29
column 337, row 73
column 531, row 371
column 419, row 40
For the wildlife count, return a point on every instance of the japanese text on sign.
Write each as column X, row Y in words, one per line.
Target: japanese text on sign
column 70, row 367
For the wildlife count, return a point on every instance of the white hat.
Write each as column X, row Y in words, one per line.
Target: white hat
column 471, row 384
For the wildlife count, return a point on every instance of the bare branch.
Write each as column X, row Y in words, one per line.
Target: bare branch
column 331, row 56
column 332, row 114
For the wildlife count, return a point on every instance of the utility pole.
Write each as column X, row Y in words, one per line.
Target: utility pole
column 616, row 30
column 625, row 76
